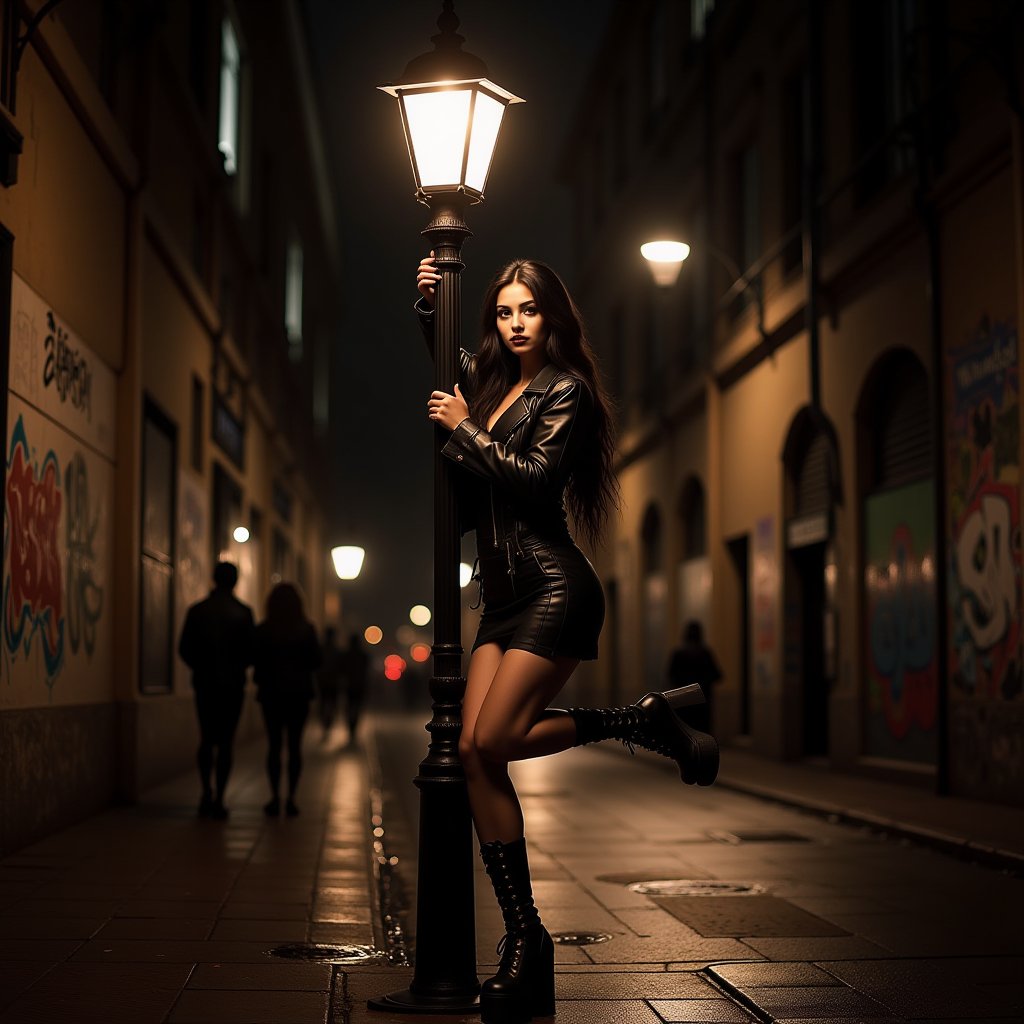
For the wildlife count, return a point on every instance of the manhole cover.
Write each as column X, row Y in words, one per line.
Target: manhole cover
column 579, row 938
column 330, row 954
column 757, row 835
column 695, row 887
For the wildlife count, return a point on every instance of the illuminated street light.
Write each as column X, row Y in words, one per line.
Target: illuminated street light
column 665, row 260
column 451, row 114
column 465, row 574
column 348, row 561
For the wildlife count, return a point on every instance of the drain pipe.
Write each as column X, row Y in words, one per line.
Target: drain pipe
column 812, row 207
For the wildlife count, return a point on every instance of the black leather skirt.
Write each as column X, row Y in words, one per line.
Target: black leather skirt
column 541, row 597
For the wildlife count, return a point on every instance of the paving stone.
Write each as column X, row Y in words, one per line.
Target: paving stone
column 168, row 908
column 153, row 951
column 120, row 994
column 919, row 988
column 244, row 1007
column 740, row 916
column 846, row 947
column 816, row 1001
column 773, row 975
column 633, row 986
column 49, row 927
column 276, row 932
column 15, row 978
column 155, row 928
column 281, row 976
column 268, row 911
column 686, row 1010
column 49, row 950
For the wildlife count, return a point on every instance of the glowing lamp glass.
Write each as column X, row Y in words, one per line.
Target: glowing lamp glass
column 241, row 534
column 348, row 561
column 465, row 574
column 665, row 258
column 451, row 128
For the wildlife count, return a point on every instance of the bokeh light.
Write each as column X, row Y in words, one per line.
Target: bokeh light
column 241, row 534
column 419, row 614
column 373, row 634
column 394, row 666
column 419, row 652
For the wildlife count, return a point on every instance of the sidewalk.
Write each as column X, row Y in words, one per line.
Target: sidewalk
column 146, row 915
column 986, row 833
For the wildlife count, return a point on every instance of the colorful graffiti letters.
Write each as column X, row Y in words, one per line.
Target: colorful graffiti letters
column 32, row 590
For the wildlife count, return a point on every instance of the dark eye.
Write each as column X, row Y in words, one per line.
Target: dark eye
column 504, row 313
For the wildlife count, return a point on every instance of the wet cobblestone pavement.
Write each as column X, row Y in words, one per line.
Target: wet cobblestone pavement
column 147, row 914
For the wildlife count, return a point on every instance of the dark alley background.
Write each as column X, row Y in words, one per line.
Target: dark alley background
column 381, row 454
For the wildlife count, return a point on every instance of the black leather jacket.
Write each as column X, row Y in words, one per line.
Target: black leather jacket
column 513, row 493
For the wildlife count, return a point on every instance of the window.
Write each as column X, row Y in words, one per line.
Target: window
column 881, row 32
column 230, row 96
column 293, row 298
column 322, row 383
column 197, row 51
column 198, row 398
column 657, row 66
column 156, row 620
column 227, row 511
column 793, row 184
column 748, row 218
column 700, row 12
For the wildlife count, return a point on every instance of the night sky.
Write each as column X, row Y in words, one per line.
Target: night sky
column 382, row 377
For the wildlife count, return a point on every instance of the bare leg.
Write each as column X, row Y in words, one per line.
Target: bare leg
column 506, row 698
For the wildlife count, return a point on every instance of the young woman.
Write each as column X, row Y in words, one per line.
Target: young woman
column 530, row 426
column 287, row 654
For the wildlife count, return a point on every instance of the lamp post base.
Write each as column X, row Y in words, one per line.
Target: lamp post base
column 408, row 1002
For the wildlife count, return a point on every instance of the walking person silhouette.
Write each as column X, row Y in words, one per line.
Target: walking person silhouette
column 217, row 645
column 286, row 656
column 529, row 426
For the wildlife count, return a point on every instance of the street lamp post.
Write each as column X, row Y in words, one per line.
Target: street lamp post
column 451, row 114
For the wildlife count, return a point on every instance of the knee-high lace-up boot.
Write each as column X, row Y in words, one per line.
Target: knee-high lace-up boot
column 654, row 724
column 524, row 986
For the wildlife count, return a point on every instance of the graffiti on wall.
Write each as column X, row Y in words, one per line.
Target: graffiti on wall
column 899, row 589
column 985, row 550
column 53, row 593
column 84, row 593
column 33, row 614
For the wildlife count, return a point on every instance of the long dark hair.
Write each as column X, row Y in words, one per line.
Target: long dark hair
column 592, row 490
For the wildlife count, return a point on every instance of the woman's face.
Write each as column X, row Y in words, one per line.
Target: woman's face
column 520, row 323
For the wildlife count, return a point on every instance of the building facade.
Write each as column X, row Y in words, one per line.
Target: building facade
column 820, row 420
column 169, row 272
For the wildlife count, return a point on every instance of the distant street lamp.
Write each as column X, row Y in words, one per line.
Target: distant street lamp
column 451, row 115
column 665, row 260
column 348, row 561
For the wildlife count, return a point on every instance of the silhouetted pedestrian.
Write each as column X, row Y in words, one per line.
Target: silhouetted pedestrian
column 328, row 679
column 287, row 655
column 217, row 645
column 694, row 663
column 356, row 668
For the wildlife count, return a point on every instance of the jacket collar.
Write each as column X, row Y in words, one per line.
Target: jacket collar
column 507, row 422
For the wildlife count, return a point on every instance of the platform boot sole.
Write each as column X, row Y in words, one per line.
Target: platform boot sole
column 699, row 764
column 536, row 1000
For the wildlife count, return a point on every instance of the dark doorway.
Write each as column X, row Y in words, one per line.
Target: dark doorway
column 739, row 552
column 806, row 641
